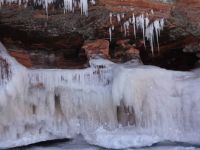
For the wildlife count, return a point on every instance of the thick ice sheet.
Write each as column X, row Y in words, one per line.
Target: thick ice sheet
column 39, row 105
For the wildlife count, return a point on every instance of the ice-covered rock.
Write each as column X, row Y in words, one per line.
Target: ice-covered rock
column 43, row 104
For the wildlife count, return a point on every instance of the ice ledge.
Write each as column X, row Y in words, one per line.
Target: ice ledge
column 97, row 102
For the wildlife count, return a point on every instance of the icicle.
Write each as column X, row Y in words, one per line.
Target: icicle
column 46, row 7
column 150, row 36
column 152, row 12
column 93, row 2
column 130, row 20
column 134, row 25
column 118, row 18
column 143, row 28
column 110, row 15
column 161, row 23
column 84, row 7
column 19, row 2
column 113, row 27
column 110, row 34
column 122, row 15
column 156, row 26
column 69, row 5
column 140, row 21
column 126, row 28
column 157, row 31
column 146, row 22
column 1, row 3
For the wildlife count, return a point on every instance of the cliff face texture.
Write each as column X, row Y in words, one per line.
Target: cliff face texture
column 57, row 41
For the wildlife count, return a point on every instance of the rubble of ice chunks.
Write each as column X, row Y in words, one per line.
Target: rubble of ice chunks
column 69, row 5
column 142, row 23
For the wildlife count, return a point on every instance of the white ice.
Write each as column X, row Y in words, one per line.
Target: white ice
column 43, row 104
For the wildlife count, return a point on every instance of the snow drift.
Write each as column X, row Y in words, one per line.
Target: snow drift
column 45, row 104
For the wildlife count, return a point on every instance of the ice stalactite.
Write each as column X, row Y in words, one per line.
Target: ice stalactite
column 93, row 2
column 152, row 31
column 118, row 18
column 123, row 15
column 146, row 22
column 110, row 32
column 152, row 12
column 69, row 5
column 150, row 36
column 126, row 28
column 140, row 24
column 84, row 7
column 1, row 3
column 134, row 25
column 110, row 15
column 157, row 32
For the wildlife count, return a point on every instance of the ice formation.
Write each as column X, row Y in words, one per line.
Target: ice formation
column 134, row 25
column 44, row 104
column 150, row 31
column 118, row 18
column 110, row 32
column 153, row 30
column 126, row 28
column 110, row 18
column 69, row 5
column 140, row 24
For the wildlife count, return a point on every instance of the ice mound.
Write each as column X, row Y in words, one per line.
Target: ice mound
column 45, row 104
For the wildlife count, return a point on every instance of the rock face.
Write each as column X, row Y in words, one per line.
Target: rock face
column 124, row 51
column 95, row 48
column 63, row 35
column 22, row 57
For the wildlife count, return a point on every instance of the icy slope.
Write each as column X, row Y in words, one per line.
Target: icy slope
column 38, row 105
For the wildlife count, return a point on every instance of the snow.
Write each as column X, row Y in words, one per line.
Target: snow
column 43, row 104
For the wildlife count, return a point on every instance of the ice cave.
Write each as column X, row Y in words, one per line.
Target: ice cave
column 99, row 74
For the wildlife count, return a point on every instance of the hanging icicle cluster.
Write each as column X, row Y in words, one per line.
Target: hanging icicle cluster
column 69, row 5
column 150, row 31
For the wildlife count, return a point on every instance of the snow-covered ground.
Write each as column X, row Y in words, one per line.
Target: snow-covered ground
column 46, row 104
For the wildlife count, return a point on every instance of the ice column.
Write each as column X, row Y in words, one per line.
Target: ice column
column 134, row 25
column 118, row 18
column 68, row 5
column 126, row 28
column 110, row 15
column 110, row 32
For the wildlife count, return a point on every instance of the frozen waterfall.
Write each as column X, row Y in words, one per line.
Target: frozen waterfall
column 44, row 104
